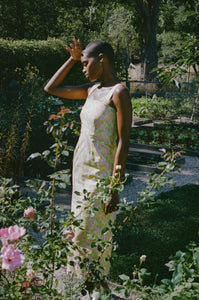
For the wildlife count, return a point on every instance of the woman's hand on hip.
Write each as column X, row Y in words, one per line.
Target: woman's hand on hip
column 75, row 49
column 112, row 203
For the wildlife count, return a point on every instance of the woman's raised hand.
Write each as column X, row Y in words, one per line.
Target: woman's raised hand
column 75, row 49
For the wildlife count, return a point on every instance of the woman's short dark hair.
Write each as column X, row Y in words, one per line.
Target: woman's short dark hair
column 95, row 48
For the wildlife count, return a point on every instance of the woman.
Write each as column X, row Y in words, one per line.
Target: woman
column 106, row 118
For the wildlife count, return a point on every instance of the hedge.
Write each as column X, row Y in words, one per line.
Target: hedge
column 46, row 55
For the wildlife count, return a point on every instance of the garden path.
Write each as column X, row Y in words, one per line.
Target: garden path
column 138, row 179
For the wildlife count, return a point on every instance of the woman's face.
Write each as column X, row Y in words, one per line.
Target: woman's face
column 92, row 67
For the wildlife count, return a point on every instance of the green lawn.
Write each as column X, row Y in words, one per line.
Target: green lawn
column 158, row 231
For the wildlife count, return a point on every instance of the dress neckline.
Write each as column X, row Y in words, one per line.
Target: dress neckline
column 106, row 87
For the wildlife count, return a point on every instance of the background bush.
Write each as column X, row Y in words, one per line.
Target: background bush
column 47, row 56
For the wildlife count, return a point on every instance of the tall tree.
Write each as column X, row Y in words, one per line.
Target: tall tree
column 147, row 12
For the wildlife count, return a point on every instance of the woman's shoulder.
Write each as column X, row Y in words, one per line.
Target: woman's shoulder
column 121, row 90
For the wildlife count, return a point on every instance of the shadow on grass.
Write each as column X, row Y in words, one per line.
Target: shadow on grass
column 157, row 230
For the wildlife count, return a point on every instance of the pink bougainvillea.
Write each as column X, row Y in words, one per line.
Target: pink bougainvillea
column 11, row 257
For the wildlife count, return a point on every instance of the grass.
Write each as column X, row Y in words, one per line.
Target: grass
column 158, row 231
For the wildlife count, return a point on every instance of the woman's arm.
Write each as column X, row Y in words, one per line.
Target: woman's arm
column 122, row 102
column 70, row 92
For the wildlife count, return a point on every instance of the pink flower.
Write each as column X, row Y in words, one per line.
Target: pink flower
column 11, row 257
column 69, row 235
column 29, row 212
column 30, row 273
column 11, row 233
column 142, row 258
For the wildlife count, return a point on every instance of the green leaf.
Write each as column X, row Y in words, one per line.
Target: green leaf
column 93, row 244
column 61, row 185
column 196, row 257
column 46, row 153
column 104, row 230
column 99, row 248
column 34, row 155
column 124, row 277
column 65, row 153
column 166, row 282
column 77, row 193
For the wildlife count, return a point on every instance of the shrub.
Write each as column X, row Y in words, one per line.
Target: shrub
column 46, row 55
column 158, row 108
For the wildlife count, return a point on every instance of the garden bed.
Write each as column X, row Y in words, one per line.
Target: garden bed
column 178, row 137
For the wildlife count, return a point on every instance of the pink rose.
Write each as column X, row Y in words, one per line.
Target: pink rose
column 11, row 257
column 29, row 212
column 69, row 235
column 11, row 233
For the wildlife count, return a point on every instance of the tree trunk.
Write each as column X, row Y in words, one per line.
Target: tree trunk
column 149, row 11
column 20, row 19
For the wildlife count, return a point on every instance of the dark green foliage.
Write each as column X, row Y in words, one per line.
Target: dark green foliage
column 158, row 231
column 176, row 20
column 47, row 56
column 40, row 19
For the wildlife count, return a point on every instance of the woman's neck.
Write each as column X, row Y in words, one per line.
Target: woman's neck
column 108, row 80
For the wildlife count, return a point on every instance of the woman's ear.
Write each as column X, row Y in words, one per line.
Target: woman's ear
column 101, row 57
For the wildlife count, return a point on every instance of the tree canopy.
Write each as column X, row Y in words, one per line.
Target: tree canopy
column 152, row 29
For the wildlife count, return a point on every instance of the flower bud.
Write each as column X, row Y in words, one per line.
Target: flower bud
column 118, row 167
column 142, row 258
column 29, row 212
column 30, row 273
column 69, row 235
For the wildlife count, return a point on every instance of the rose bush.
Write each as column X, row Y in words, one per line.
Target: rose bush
column 46, row 238
column 30, row 272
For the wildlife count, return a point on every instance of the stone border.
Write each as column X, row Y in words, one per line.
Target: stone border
column 157, row 148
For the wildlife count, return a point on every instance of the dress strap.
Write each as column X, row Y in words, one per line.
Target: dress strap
column 103, row 94
column 92, row 88
column 110, row 93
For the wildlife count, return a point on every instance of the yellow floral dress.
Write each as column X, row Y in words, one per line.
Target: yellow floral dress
column 93, row 158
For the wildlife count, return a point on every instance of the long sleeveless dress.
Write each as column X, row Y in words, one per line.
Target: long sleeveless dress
column 94, row 158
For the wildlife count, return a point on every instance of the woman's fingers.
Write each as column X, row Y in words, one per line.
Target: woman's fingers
column 75, row 49
column 112, row 204
column 110, row 208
